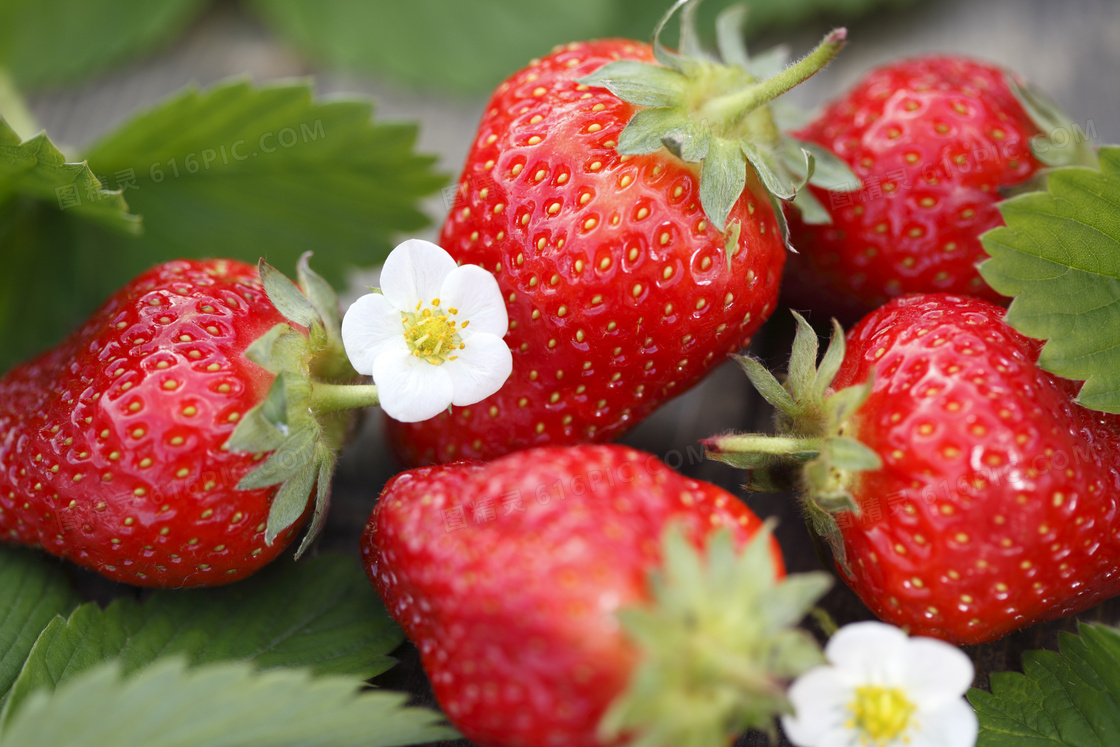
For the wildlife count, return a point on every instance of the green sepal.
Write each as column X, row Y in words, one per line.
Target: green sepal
column 816, row 448
column 722, row 179
column 640, row 83
column 813, row 212
column 319, row 294
column 717, row 643
column 299, row 423
column 849, row 454
column 325, row 461
column 766, row 384
column 714, row 110
column 286, row 296
column 286, row 461
column 648, row 129
column 829, row 170
column 290, row 501
column 258, row 432
column 1049, row 118
column 260, row 350
column 778, row 182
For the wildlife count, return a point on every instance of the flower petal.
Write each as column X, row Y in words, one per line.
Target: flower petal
column 411, row 389
column 819, row 698
column 414, row 272
column 371, row 327
column 936, row 672
column 952, row 725
column 480, row 369
column 869, row 653
column 475, row 294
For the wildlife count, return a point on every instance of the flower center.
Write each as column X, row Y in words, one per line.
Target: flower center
column 881, row 714
column 432, row 334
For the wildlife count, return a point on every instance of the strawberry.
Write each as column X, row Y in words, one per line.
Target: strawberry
column 510, row 575
column 934, row 143
column 965, row 492
column 134, row 447
column 629, row 271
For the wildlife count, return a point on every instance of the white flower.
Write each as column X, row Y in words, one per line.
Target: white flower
column 432, row 337
column 883, row 689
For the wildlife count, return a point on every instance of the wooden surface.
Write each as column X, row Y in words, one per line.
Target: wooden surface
column 1070, row 49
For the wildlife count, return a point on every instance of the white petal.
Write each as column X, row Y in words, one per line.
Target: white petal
column 414, row 272
column 480, row 369
column 371, row 327
column 936, row 672
column 869, row 652
column 474, row 293
column 952, row 725
column 411, row 389
column 819, row 698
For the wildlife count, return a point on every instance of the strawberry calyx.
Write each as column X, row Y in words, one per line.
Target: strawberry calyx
column 813, row 452
column 1054, row 145
column 714, row 111
column 303, row 419
column 718, row 644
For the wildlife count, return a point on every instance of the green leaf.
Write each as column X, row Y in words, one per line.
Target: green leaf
column 220, row 705
column 50, row 42
column 320, row 613
column 32, row 592
column 247, row 171
column 1070, row 698
column 445, row 44
column 1059, row 256
column 36, row 168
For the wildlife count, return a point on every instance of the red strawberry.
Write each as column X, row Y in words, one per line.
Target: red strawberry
column 988, row 499
column 508, row 576
column 114, row 445
column 629, row 272
column 934, row 142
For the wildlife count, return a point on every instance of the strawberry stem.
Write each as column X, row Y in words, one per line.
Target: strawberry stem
column 328, row 398
column 762, row 444
column 732, row 108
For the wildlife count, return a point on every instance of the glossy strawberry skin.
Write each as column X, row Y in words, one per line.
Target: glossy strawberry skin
column 997, row 505
column 933, row 141
column 111, row 443
column 619, row 292
column 507, row 576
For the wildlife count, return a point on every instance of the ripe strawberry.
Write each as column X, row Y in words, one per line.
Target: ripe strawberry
column 934, row 143
column 115, row 446
column 629, row 272
column 508, row 576
column 987, row 498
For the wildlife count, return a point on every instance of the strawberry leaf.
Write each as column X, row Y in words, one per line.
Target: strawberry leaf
column 32, row 592
column 1059, row 256
column 247, row 171
column 36, row 169
column 435, row 44
column 42, row 49
column 1069, row 698
column 320, row 613
column 220, row 705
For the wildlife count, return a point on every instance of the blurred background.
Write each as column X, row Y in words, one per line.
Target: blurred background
column 244, row 129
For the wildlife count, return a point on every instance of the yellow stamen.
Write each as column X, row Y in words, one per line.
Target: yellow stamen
column 880, row 714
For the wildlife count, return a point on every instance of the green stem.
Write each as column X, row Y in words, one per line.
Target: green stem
column 760, row 444
column 14, row 109
column 328, row 398
column 827, row 625
column 733, row 107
